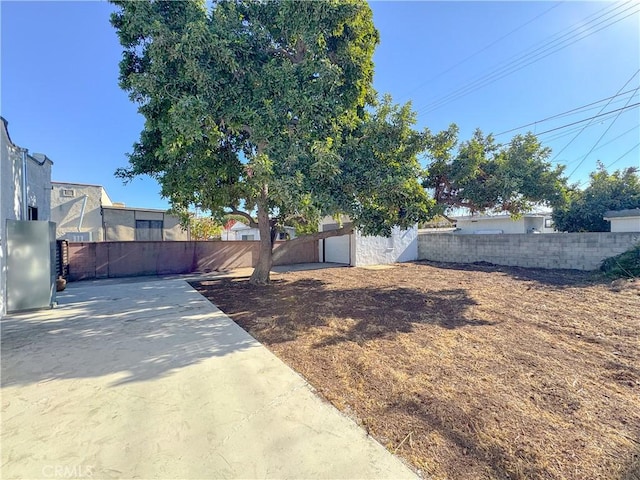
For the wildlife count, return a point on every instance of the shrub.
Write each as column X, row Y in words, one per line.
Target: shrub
column 626, row 265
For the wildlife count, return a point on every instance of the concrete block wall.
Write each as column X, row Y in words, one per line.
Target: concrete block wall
column 89, row 260
column 580, row 251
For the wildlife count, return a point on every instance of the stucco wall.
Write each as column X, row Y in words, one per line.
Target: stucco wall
column 630, row 224
column 38, row 193
column 402, row 246
column 89, row 260
column 581, row 251
column 120, row 224
column 65, row 210
column 467, row 226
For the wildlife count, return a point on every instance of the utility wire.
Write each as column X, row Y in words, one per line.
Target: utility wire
column 483, row 49
column 516, row 64
column 599, row 138
column 563, row 114
column 530, row 57
column 492, row 78
column 623, row 155
column 605, row 106
column 570, row 131
column 607, row 143
column 626, row 107
column 558, row 135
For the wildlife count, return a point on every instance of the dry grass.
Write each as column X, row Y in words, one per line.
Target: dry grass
column 466, row 372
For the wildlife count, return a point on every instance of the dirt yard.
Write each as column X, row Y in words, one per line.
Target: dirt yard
column 465, row 371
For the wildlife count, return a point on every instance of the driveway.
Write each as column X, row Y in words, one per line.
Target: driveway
column 147, row 379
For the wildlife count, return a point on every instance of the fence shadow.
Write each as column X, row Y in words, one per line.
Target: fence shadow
column 139, row 331
column 553, row 277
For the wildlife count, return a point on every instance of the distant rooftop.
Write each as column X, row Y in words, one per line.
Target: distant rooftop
column 631, row 212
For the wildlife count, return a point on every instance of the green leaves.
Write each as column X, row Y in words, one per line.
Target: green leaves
column 482, row 175
column 583, row 210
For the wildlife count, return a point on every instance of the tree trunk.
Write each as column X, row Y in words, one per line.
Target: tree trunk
column 262, row 269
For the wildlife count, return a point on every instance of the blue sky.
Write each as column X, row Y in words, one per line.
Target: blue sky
column 489, row 65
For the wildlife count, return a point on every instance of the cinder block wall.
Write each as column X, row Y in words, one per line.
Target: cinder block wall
column 89, row 260
column 580, row 251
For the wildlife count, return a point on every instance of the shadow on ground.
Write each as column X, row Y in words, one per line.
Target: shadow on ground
column 140, row 331
column 554, row 278
column 369, row 312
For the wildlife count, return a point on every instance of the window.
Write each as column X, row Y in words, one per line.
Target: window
column 149, row 230
column 548, row 223
column 67, row 192
column 33, row 213
column 248, row 237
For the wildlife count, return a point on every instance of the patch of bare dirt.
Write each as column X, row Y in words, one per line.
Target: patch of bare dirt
column 465, row 371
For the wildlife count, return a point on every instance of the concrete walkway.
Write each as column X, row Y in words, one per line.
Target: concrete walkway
column 149, row 380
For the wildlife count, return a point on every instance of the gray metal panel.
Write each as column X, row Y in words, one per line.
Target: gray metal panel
column 30, row 265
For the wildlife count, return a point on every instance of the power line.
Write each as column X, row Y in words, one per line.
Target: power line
column 563, row 114
column 516, row 65
column 623, row 155
column 626, row 107
column 492, row 78
column 530, row 57
column 635, row 127
column 483, row 49
column 599, row 138
column 605, row 106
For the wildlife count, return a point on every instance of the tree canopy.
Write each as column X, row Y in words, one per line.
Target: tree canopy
column 585, row 209
column 266, row 110
column 480, row 175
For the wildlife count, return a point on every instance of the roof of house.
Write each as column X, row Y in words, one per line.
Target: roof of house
column 628, row 213
column 503, row 216
column 77, row 184
column 240, row 226
column 122, row 207
column 39, row 158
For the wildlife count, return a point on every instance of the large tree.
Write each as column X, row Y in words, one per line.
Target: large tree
column 480, row 175
column 585, row 209
column 266, row 110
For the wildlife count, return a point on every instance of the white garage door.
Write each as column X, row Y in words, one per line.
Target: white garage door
column 336, row 249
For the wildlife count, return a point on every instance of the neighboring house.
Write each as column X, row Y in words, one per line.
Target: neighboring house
column 240, row 231
column 624, row 220
column 360, row 250
column 22, row 197
column 487, row 224
column 85, row 213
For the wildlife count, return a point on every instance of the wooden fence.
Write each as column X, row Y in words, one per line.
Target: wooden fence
column 89, row 260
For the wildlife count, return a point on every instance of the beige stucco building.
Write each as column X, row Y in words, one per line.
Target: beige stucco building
column 85, row 213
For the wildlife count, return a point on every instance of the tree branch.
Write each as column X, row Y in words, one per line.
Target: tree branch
column 313, row 237
column 235, row 211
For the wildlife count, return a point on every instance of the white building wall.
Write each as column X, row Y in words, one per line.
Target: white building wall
column 625, row 224
column 506, row 224
column 38, row 193
column 502, row 224
column 401, row 246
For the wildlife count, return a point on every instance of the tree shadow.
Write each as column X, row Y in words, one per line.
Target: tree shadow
column 464, row 431
column 139, row 331
column 552, row 277
column 631, row 468
column 285, row 310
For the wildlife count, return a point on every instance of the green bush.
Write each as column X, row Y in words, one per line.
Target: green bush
column 626, row 265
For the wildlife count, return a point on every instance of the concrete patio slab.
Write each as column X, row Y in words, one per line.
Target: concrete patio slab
column 149, row 380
